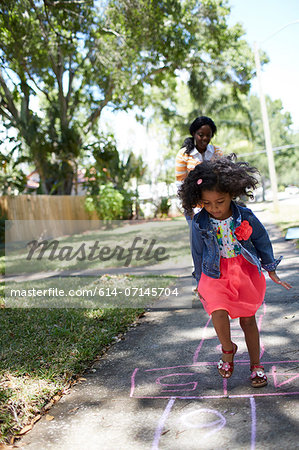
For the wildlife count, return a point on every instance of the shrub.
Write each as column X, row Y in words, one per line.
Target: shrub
column 128, row 202
column 108, row 204
column 164, row 206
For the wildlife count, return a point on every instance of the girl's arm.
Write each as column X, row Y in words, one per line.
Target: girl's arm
column 276, row 279
column 263, row 245
column 261, row 241
column 196, row 250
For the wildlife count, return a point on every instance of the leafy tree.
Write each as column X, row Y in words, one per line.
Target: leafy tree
column 252, row 148
column 75, row 58
column 286, row 158
column 229, row 110
column 240, row 130
column 108, row 169
column 12, row 179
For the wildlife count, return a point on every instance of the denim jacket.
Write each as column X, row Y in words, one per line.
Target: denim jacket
column 205, row 250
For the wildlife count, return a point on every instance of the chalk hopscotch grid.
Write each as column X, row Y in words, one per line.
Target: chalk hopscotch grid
column 221, row 422
column 195, row 364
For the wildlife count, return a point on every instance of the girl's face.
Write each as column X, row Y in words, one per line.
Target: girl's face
column 202, row 138
column 217, row 204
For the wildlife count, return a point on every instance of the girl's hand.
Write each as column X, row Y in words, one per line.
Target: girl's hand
column 200, row 297
column 277, row 280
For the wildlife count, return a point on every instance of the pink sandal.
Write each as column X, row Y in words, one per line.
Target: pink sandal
column 227, row 366
column 258, row 377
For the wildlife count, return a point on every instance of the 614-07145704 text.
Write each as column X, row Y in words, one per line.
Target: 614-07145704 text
column 140, row 292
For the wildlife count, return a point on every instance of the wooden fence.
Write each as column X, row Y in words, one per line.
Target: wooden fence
column 36, row 216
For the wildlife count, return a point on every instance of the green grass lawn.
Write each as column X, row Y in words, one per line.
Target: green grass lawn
column 43, row 350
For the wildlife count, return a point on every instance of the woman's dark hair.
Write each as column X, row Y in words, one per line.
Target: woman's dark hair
column 195, row 125
column 223, row 175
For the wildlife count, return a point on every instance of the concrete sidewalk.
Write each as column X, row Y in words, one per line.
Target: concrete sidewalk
column 158, row 388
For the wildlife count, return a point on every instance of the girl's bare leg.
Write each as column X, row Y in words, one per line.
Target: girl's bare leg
column 222, row 327
column 252, row 338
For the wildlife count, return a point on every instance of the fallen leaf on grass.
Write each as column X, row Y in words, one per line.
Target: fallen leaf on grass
column 66, row 391
column 25, row 430
column 49, row 418
column 36, row 418
column 48, row 405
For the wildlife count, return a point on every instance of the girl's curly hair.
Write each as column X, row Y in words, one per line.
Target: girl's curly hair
column 223, row 175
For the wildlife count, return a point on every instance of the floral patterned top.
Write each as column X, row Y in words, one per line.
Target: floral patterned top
column 228, row 244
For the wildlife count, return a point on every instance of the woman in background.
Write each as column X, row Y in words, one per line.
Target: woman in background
column 196, row 149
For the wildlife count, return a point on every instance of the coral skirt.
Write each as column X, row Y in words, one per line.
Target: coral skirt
column 240, row 290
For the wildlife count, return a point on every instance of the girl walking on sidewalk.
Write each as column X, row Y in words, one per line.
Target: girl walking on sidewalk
column 229, row 248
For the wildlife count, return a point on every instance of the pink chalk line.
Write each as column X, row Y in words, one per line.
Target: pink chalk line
column 274, row 374
column 246, row 361
column 193, row 383
column 211, row 397
column 225, row 387
column 161, row 423
column 213, row 363
column 253, row 422
column 262, row 316
column 133, row 376
column 281, row 362
column 202, row 341
column 133, row 381
column 262, row 351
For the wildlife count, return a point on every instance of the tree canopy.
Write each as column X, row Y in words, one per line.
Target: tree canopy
column 286, row 152
column 63, row 62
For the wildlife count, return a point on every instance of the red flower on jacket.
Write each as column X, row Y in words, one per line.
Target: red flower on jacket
column 243, row 231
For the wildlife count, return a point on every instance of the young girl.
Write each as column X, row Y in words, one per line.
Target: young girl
column 229, row 248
